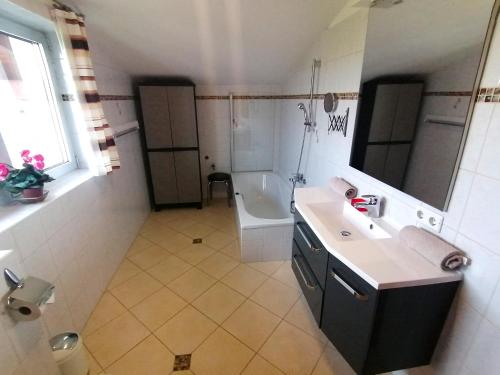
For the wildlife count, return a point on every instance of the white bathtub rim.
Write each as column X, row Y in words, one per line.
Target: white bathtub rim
column 248, row 221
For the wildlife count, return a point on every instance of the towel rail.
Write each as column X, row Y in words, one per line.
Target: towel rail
column 445, row 122
column 121, row 133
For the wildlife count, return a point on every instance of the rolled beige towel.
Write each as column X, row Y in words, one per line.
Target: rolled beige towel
column 433, row 248
column 343, row 187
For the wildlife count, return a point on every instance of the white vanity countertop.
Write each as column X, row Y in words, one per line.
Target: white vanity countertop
column 383, row 263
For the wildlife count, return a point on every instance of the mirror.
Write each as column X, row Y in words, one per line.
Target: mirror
column 421, row 70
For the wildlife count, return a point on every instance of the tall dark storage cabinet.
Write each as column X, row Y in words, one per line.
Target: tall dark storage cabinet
column 170, row 141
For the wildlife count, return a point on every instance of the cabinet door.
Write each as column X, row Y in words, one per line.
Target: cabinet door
column 384, row 110
column 163, row 177
column 155, row 112
column 312, row 248
column 188, row 176
column 183, row 116
column 405, row 120
column 348, row 313
column 310, row 287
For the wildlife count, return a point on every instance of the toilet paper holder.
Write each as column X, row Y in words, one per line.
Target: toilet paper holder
column 27, row 296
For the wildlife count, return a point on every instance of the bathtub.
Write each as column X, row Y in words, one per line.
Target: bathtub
column 264, row 222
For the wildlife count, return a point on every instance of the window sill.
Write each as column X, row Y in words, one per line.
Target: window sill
column 12, row 213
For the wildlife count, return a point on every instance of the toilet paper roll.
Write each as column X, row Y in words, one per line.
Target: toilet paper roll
column 27, row 312
column 29, row 300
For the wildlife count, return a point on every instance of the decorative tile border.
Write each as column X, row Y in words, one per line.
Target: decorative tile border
column 488, row 95
column 448, row 93
column 116, row 97
column 341, row 95
column 70, row 97
column 485, row 95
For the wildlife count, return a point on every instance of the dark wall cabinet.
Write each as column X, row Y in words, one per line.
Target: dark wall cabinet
column 385, row 129
column 376, row 331
column 170, row 142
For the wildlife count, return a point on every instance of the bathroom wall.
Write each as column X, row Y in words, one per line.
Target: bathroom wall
column 76, row 238
column 436, row 146
column 256, row 114
column 471, row 340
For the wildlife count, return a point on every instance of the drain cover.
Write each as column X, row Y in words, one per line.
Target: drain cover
column 345, row 233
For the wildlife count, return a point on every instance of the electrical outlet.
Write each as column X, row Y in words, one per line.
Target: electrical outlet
column 429, row 219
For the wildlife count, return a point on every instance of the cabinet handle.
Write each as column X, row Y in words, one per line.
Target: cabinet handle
column 302, row 275
column 356, row 294
column 308, row 242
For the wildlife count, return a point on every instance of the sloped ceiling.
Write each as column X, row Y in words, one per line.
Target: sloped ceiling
column 210, row 41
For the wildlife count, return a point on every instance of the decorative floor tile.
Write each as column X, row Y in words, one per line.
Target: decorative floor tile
column 182, row 362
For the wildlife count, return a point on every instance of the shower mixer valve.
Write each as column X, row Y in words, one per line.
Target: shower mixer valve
column 297, row 177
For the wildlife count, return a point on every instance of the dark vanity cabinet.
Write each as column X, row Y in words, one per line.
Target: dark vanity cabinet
column 167, row 110
column 376, row 331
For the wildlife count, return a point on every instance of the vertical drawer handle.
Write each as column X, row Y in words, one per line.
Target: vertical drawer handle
column 356, row 294
column 302, row 275
column 308, row 242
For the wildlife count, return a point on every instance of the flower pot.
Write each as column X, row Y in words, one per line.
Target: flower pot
column 32, row 193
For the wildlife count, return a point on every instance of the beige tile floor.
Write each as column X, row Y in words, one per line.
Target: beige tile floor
column 171, row 297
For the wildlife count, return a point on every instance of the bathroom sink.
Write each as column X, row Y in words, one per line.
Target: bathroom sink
column 345, row 223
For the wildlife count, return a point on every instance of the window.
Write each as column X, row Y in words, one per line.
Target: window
column 31, row 117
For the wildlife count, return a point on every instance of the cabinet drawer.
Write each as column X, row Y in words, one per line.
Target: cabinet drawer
column 348, row 313
column 308, row 283
column 312, row 248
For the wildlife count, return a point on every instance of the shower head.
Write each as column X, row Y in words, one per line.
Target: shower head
column 302, row 107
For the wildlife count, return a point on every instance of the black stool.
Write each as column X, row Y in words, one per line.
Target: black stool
column 219, row 177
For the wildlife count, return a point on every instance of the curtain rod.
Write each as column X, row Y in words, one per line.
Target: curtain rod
column 67, row 8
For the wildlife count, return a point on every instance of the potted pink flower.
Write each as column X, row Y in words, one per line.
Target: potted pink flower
column 27, row 181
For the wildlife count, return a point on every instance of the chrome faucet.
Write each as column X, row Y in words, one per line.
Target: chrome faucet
column 369, row 204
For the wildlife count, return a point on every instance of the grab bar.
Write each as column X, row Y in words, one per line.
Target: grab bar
column 350, row 289
column 306, row 239
column 302, row 275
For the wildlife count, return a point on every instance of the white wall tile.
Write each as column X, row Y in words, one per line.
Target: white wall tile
column 490, row 157
column 29, row 234
column 481, row 221
column 483, row 356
